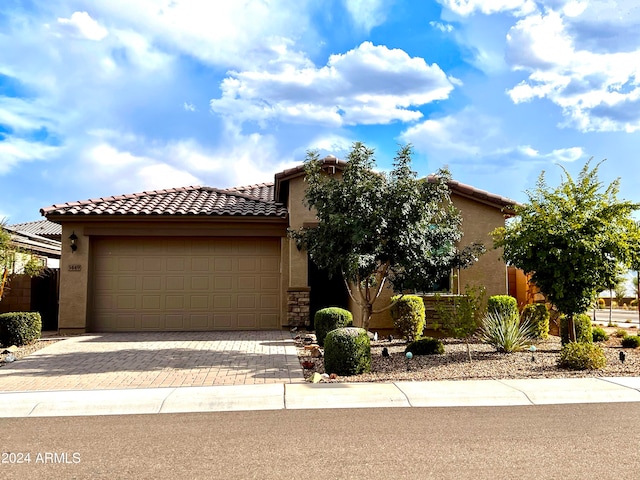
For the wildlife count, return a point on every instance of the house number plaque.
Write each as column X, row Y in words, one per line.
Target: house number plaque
column 75, row 267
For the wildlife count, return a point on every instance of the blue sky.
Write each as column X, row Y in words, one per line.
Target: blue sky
column 105, row 97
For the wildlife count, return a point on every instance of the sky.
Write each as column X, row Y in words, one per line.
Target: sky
column 107, row 97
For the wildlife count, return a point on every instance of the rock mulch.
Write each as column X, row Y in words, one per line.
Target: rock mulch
column 486, row 362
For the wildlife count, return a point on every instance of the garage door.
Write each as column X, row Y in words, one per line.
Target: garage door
column 169, row 284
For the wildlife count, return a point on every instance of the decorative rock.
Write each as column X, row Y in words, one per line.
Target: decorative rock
column 375, row 336
column 315, row 378
column 10, row 349
column 10, row 358
column 308, row 340
column 385, row 352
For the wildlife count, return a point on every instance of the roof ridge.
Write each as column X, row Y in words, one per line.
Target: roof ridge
column 239, row 194
column 124, row 196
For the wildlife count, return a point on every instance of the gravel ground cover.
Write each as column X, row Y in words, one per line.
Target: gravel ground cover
column 486, row 362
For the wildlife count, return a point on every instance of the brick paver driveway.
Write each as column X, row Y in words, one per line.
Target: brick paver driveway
column 149, row 360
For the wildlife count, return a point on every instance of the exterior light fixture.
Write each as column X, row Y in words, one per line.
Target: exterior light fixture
column 73, row 238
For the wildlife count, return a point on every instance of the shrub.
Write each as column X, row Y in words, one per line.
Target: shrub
column 19, row 328
column 425, row 346
column 620, row 333
column 538, row 315
column 631, row 341
column 582, row 323
column 634, row 303
column 601, row 303
column 408, row 316
column 347, row 351
column 328, row 319
column 582, row 356
column 505, row 332
column 502, row 304
column 599, row 335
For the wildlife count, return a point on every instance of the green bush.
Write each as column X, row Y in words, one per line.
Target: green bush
column 620, row 333
column 583, row 328
column 19, row 328
column 633, row 303
column 425, row 346
column 505, row 332
column 502, row 304
column 599, row 335
column 329, row 319
column 601, row 303
column 582, row 356
column 407, row 313
column 631, row 341
column 347, row 351
column 537, row 314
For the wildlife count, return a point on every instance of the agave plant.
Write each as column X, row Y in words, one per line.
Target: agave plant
column 506, row 332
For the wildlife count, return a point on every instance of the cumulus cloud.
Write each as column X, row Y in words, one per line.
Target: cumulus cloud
column 367, row 85
column 443, row 27
column 16, row 150
column 83, row 26
column 367, row 14
column 487, row 7
column 597, row 91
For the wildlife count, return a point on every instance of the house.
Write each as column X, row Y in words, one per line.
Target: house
column 39, row 294
column 202, row 258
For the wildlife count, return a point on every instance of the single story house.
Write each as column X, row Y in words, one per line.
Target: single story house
column 202, row 258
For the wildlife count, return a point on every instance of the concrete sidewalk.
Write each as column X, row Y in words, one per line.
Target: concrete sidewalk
column 330, row 395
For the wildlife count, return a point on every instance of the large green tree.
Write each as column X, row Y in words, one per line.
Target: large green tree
column 569, row 238
column 376, row 228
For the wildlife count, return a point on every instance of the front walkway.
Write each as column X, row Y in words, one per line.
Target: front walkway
column 152, row 360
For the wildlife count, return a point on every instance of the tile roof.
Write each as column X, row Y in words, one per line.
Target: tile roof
column 253, row 200
column 43, row 228
column 35, row 243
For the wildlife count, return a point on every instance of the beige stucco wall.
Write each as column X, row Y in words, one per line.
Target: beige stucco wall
column 74, row 281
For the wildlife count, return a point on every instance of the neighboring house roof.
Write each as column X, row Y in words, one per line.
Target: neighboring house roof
column 253, row 200
column 42, row 228
column 498, row 201
column 35, row 243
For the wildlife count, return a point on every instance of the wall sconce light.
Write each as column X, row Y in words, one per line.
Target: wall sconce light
column 74, row 241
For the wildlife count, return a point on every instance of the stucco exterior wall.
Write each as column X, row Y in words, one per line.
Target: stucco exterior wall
column 74, row 281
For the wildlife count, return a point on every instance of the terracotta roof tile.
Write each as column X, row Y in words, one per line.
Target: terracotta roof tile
column 254, row 200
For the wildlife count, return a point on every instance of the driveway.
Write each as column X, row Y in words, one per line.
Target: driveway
column 152, row 360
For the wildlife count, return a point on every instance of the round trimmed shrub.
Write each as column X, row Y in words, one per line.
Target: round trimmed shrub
column 408, row 316
column 538, row 316
column 584, row 332
column 582, row 356
column 425, row 346
column 504, row 305
column 631, row 341
column 330, row 318
column 347, row 351
column 599, row 334
column 19, row 328
column 601, row 303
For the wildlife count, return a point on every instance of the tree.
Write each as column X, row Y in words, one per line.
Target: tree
column 376, row 228
column 568, row 238
column 9, row 254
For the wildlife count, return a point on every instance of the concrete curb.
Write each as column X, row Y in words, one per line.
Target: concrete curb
column 224, row 398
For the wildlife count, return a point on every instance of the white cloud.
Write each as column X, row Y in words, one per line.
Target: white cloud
column 82, row 25
column 367, row 85
column 16, row 150
column 367, row 13
column 597, row 91
column 487, row 7
column 443, row 27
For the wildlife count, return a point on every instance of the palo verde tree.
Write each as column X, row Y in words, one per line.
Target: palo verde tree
column 378, row 228
column 569, row 238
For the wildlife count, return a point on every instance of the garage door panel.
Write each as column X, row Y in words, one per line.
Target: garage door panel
column 158, row 283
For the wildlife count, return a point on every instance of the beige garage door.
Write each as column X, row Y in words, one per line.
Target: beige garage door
column 169, row 284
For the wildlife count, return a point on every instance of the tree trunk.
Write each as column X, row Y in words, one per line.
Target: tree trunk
column 367, row 310
column 610, row 324
column 571, row 328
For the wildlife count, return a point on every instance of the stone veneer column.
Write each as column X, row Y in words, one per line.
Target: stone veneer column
column 298, row 307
